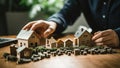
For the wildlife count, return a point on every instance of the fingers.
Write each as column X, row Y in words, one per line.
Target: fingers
column 103, row 39
column 100, row 34
column 96, row 32
column 35, row 26
column 41, row 27
column 49, row 31
column 108, row 42
column 28, row 26
column 106, row 37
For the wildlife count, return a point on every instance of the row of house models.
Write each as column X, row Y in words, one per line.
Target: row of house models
column 82, row 36
column 28, row 40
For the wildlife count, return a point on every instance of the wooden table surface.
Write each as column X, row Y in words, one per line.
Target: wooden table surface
column 64, row 61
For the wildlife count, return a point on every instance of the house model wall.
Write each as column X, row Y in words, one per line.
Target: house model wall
column 26, row 41
column 51, row 43
column 68, row 43
column 24, row 52
column 32, row 39
column 60, row 43
column 83, row 37
column 28, row 38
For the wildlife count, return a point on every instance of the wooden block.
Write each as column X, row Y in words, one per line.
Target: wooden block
column 48, row 51
column 110, row 51
column 54, row 54
column 86, row 49
column 5, row 55
column 69, row 53
column 92, row 51
column 103, row 51
column 97, row 52
column 11, row 58
column 45, row 53
column 81, row 52
column 35, row 59
column 60, row 53
column 76, row 52
column 85, row 53
column 48, row 56
column 13, row 51
column 23, row 60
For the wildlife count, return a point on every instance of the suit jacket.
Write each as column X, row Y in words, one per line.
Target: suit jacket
column 100, row 14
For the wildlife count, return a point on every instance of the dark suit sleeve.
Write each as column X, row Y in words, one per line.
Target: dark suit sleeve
column 118, row 32
column 67, row 15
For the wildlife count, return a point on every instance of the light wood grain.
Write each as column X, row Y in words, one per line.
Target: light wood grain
column 89, row 61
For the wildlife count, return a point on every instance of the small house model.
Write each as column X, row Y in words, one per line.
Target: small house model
column 83, row 37
column 68, row 43
column 51, row 43
column 28, row 38
column 60, row 43
column 75, row 44
column 13, row 49
column 28, row 41
column 24, row 52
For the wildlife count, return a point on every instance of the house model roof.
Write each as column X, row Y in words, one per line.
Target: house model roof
column 81, row 30
column 20, row 49
column 25, row 34
column 79, row 33
column 60, row 40
column 68, row 40
column 85, row 28
column 52, row 40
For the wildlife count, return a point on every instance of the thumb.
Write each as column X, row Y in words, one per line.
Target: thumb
column 97, row 32
column 49, row 31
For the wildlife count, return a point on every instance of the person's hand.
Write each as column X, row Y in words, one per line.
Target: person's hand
column 106, row 37
column 43, row 28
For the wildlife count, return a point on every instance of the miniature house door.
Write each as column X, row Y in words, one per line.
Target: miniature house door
column 68, row 43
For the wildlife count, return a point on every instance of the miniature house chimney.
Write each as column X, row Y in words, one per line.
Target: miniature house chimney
column 75, row 42
column 13, row 48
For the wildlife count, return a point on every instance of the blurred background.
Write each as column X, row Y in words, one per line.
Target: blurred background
column 14, row 14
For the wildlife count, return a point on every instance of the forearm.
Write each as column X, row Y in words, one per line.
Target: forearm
column 59, row 21
column 118, row 33
column 67, row 15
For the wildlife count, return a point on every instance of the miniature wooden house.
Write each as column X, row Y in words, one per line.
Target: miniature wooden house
column 68, row 43
column 51, row 43
column 60, row 43
column 28, row 38
column 13, row 49
column 83, row 37
column 75, row 42
column 23, row 52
